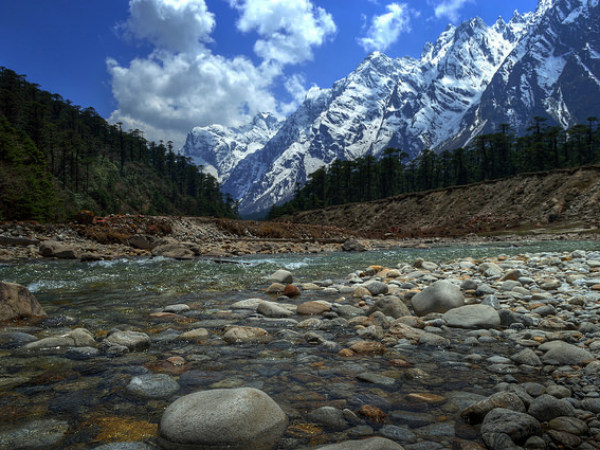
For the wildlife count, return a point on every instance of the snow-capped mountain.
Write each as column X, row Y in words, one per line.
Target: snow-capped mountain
column 219, row 149
column 553, row 72
column 473, row 78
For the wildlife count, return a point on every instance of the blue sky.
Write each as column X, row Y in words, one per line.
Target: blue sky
column 165, row 66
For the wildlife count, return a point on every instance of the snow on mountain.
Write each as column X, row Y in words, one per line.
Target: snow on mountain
column 473, row 78
column 219, row 149
column 554, row 71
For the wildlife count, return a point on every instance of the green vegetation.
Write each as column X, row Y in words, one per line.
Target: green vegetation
column 489, row 157
column 57, row 158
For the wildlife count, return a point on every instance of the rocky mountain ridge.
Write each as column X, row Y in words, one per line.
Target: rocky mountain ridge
column 472, row 79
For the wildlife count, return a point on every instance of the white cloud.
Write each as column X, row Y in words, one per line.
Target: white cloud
column 175, row 25
column 182, row 83
column 172, row 93
column 386, row 28
column 289, row 29
column 449, row 9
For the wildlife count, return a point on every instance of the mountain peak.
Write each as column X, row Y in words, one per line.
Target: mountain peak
column 471, row 79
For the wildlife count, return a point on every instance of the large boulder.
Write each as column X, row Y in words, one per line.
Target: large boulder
column 223, row 419
column 472, row 316
column 440, row 297
column 16, row 301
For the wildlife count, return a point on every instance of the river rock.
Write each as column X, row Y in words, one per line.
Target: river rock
column 57, row 250
column 177, row 308
column 291, row 290
column 376, row 288
column 270, row 309
column 440, row 297
column 143, row 241
column 35, row 435
column 281, row 276
column 507, row 400
column 172, row 248
column 561, row 353
column 16, row 301
column 353, row 245
column 232, row 419
column 330, row 417
column 79, row 337
column 313, row 308
column 374, row 443
column 157, row 385
column 505, row 429
column 528, row 357
column 546, row 407
column 133, row 340
column 472, row 316
column 237, row 334
column 125, row 446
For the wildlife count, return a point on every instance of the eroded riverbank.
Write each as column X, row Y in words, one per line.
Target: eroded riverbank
column 350, row 343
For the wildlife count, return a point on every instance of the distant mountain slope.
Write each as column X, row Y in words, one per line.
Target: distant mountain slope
column 560, row 198
column 472, row 79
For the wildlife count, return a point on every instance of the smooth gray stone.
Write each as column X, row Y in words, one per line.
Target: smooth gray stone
column 233, row 419
column 546, row 407
column 158, row 385
column 440, row 297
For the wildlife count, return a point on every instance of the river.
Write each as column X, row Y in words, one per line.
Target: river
column 90, row 393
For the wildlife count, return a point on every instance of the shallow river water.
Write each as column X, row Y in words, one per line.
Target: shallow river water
column 91, row 394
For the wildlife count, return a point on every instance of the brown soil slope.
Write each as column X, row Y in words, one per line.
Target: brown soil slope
column 569, row 197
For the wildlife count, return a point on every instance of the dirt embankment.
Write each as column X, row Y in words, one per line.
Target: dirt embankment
column 94, row 238
column 566, row 199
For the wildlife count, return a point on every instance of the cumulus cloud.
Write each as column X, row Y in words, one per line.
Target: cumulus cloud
column 289, row 29
column 175, row 25
column 182, row 83
column 449, row 9
column 386, row 28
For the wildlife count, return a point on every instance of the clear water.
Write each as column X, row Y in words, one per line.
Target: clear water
column 300, row 377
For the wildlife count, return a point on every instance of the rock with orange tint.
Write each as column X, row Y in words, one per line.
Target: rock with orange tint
column 346, row 353
column 195, row 334
column 291, row 291
column 372, row 413
column 400, row 363
column 237, row 334
column 368, row 348
column 313, row 308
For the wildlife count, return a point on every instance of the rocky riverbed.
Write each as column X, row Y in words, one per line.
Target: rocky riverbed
column 497, row 353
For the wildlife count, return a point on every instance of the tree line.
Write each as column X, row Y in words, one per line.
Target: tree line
column 64, row 158
column 488, row 157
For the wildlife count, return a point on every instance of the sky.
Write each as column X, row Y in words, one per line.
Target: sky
column 166, row 66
